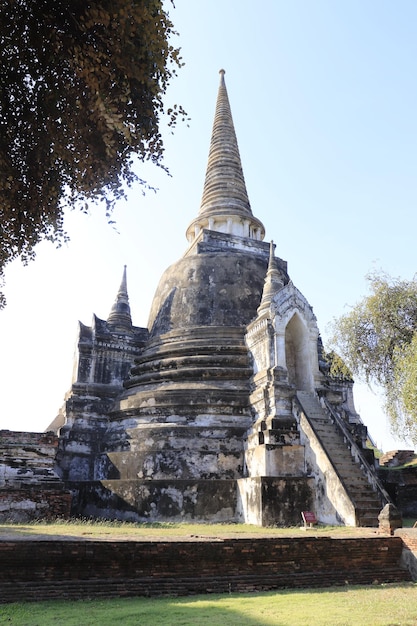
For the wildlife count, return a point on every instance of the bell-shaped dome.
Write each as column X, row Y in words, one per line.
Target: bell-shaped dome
column 221, row 288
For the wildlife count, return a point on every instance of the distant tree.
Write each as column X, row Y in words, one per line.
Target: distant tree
column 378, row 340
column 81, row 91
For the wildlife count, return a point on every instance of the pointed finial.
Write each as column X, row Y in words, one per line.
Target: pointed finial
column 120, row 316
column 123, row 284
column 271, row 254
column 273, row 281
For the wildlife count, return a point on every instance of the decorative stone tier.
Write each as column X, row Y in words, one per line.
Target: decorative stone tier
column 195, row 449
column 188, row 354
column 185, row 410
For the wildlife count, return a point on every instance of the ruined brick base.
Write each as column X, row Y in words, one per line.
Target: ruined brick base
column 34, row 503
column 39, row 570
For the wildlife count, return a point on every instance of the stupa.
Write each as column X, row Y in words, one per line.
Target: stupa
column 225, row 407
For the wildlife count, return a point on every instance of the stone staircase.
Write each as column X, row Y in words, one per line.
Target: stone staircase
column 366, row 501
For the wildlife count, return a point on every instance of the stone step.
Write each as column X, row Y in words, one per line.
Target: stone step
column 367, row 517
column 362, row 487
column 370, row 504
column 355, row 472
column 371, row 510
column 366, row 492
column 352, row 475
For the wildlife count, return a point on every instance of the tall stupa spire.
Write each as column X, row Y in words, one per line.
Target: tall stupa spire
column 225, row 205
column 120, row 312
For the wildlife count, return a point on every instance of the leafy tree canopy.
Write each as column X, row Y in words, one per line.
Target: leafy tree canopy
column 81, row 91
column 378, row 340
column 335, row 367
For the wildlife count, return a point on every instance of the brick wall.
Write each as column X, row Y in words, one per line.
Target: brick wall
column 24, row 505
column 35, row 570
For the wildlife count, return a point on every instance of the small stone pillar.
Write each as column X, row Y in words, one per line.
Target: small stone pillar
column 389, row 519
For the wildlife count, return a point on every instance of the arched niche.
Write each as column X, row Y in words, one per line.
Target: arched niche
column 298, row 354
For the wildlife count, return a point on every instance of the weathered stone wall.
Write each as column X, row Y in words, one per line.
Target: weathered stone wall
column 409, row 553
column 36, row 570
column 274, row 500
column 401, row 485
column 406, row 500
column 162, row 500
column 27, row 458
column 29, row 486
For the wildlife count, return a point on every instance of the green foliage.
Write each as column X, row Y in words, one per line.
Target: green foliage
column 336, row 367
column 378, row 340
column 377, row 452
column 81, row 91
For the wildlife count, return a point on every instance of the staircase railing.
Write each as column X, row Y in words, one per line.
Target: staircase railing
column 357, row 453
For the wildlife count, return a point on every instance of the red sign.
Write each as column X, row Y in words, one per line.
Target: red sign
column 309, row 517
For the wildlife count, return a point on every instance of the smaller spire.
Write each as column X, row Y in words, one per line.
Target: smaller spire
column 273, row 281
column 120, row 317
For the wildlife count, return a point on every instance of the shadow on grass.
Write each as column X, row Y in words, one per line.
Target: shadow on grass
column 197, row 611
column 354, row 605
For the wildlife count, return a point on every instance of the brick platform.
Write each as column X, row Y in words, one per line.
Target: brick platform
column 40, row 570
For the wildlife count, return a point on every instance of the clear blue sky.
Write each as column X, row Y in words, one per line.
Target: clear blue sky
column 324, row 101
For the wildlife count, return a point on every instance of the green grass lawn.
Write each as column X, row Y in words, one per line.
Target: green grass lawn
column 114, row 530
column 386, row 605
